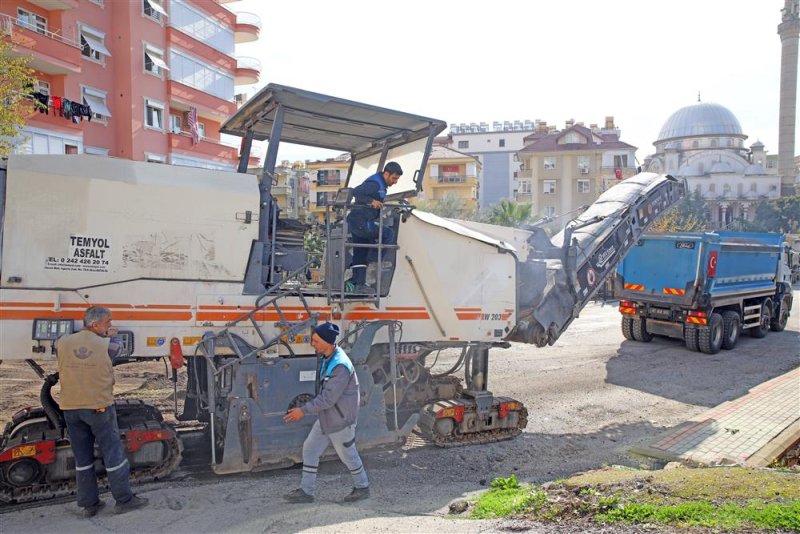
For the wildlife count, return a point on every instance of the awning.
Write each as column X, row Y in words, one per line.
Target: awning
column 157, row 7
column 97, row 105
column 96, row 44
column 157, row 60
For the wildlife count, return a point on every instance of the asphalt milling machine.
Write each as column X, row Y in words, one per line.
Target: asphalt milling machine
column 198, row 266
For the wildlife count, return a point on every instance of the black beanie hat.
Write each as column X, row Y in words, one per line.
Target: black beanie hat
column 328, row 332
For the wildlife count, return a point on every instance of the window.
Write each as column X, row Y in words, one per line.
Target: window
column 32, row 21
column 714, row 143
column 502, row 142
column 549, row 211
column 463, row 144
column 621, row 161
column 97, row 2
column 773, row 188
column 753, row 187
column 771, row 163
column 198, row 74
column 726, row 188
column 201, row 130
column 583, row 164
column 328, row 177
column 42, row 87
column 525, row 187
column 712, row 188
column 154, row 60
column 155, row 158
column 175, row 123
column 695, row 144
column 96, row 151
column 153, row 114
column 93, row 44
column 583, row 186
column 95, row 99
column 197, row 24
column 549, row 163
column 549, row 187
column 153, row 9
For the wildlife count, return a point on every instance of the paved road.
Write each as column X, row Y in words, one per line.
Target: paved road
column 590, row 398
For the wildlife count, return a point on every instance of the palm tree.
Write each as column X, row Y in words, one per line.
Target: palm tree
column 509, row 213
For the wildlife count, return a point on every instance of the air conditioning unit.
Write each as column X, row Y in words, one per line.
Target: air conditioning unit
column 584, row 170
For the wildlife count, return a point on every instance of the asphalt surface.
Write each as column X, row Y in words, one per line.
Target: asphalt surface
column 590, row 397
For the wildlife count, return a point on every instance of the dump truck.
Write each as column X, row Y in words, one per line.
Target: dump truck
column 199, row 267
column 705, row 288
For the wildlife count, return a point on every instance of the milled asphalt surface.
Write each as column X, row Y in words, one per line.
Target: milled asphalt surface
column 591, row 398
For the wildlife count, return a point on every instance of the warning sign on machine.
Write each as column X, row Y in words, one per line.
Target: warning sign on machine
column 86, row 254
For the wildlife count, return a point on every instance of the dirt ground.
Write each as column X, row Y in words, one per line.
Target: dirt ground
column 590, row 397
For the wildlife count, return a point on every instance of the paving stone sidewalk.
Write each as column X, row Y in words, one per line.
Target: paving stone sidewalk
column 751, row 430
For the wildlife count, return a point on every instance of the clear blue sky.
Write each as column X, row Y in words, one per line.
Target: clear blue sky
column 470, row 61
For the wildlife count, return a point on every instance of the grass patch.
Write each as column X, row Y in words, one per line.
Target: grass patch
column 724, row 499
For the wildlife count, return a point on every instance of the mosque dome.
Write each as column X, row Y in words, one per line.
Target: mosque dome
column 701, row 119
column 754, row 168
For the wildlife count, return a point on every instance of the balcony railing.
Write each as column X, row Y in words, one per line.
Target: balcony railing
column 7, row 22
column 244, row 62
column 455, row 180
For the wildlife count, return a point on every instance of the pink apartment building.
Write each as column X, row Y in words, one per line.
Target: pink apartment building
column 146, row 68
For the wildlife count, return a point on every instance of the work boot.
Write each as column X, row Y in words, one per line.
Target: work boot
column 135, row 503
column 357, row 494
column 91, row 511
column 298, row 495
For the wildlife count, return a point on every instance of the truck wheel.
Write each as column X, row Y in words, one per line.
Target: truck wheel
column 732, row 327
column 690, row 337
column 627, row 328
column 762, row 329
column 640, row 332
column 779, row 322
column 709, row 340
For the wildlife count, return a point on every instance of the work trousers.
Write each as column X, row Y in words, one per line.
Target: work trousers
column 365, row 231
column 86, row 427
column 344, row 442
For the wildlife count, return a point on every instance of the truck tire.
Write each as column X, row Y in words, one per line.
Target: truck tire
column 731, row 327
column 709, row 340
column 627, row 328
column 690, row 337
column 778, row 323
column 640, row 332
column 762, row 329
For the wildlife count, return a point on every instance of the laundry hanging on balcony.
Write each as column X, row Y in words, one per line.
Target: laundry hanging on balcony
column 62, row 107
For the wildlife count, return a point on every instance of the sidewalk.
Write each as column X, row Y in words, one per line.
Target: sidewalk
column 751, row 430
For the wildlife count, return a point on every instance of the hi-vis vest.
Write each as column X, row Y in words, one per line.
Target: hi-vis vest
column 85, row 371
column 338, row 357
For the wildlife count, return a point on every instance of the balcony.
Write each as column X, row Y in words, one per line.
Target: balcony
column 451, row 181
column 50, row 52
column 55, row 5
column 248, row 27
column 205, row 148
column 182, row 97
column 248, row 70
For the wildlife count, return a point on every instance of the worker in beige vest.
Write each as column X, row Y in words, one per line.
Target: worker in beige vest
column 87, row 400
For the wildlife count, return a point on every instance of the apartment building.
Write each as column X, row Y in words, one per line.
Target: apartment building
column 451, row 173
column 159, row 76
column 327, row 177
column 290, row 189
column 565, row 169
column 496, row 148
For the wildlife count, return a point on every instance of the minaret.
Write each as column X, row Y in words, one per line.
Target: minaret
column 789, row 31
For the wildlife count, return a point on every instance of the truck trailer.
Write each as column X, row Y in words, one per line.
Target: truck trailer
column 705, row 288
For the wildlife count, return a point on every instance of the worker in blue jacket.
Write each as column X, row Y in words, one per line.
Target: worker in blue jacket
column 336, row 406
column 364, row 221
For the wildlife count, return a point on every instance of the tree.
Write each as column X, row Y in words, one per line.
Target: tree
column 15, row 78
column 509, row 213
column 450, row 206
column 691, row 215
column 776, row 215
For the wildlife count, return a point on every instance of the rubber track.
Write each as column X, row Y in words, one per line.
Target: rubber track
column 68, row 487
column 477, row 438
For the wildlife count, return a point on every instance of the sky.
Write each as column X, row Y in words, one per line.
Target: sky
column 469, row 61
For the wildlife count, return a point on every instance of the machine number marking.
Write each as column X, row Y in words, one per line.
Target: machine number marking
column 23, row 451
column 688, row 245
column 492, row 316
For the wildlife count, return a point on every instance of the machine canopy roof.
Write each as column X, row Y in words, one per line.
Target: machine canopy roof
column 322, row 121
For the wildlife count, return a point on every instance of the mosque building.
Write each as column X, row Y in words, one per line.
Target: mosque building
column 704, row 144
